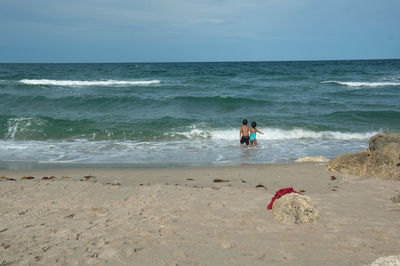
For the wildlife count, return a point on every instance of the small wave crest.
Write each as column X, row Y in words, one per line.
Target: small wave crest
column 361, row 84
column 275, row 134
column 88, row 83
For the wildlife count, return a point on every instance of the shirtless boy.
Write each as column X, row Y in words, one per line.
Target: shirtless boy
column 244, row 134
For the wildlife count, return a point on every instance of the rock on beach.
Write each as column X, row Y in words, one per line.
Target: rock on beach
column 294, row 208
column 382, row 159
column 387, row 261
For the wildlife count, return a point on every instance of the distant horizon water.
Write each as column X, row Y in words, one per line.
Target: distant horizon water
column 189, row 113
column 190, row 61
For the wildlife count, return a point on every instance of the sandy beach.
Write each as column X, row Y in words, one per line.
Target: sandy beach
column 182, row 217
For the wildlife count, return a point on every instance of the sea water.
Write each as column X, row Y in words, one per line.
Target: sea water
column 190, row 113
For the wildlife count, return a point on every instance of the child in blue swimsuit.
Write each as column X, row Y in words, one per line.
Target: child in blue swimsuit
column 253, row 132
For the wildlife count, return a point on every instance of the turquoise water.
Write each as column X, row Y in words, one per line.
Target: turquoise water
column 162, row 113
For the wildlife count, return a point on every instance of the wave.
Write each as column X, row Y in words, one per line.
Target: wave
column 275, row 134
column 361, row 84
column 219, row 100
column 42, row 128
column 24, row 124
column 15, row 154
column 87, row 83
column 42, row 104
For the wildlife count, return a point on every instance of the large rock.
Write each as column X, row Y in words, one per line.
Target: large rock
column 294, row 208
column 382, row 159
column 379, row 141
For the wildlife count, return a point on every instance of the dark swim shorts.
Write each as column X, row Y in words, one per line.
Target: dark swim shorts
column 245, row 140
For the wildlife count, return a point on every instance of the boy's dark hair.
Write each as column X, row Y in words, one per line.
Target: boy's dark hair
column 244, row 121
column 253, row 124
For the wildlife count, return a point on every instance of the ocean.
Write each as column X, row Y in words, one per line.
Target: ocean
column 189, row 114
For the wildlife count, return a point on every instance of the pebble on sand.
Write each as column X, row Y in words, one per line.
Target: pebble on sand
column 218, row 180
column 27, row 177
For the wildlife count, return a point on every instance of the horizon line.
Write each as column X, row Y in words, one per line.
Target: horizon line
column 222, row 61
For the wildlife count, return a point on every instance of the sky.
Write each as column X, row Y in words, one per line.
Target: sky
column 195, row 31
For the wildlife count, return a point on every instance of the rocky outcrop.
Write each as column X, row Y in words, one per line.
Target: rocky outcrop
column 294, row 208
column 382, row 159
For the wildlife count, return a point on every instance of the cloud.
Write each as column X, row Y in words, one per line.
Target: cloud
column 208, row 21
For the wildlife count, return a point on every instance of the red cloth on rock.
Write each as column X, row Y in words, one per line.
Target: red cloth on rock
column 279, row 194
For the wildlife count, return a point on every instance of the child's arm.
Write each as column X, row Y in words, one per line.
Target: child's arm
column 240, row 134
column 259, row 131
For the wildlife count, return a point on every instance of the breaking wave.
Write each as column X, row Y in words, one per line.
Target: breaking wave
column 42, row 128
column 361, row 84
column 276, row 134
column 87, row 83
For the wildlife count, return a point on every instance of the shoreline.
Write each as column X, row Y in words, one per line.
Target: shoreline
column 253, row 174
column 38, row 165
column 35, row 165
column 236, row 171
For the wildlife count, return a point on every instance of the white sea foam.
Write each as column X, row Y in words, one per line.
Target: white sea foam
column 22, row 124
column 183, row 151
column 275, row 134
column 282, row 134
column 361, row 84
column 88, row 83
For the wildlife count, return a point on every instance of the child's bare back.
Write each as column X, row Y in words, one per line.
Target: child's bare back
column 244, row 134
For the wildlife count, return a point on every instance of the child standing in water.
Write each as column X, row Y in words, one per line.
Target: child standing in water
column 244, row 134
column 253, row 133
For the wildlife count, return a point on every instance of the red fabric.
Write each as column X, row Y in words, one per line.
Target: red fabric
column 279, row 194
